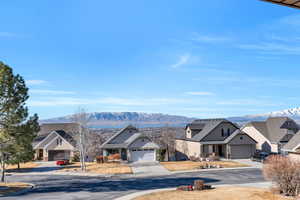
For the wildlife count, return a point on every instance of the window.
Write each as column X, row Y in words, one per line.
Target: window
column 228, row 132
column 241, row 138
column 223, row 134
column 59, row 141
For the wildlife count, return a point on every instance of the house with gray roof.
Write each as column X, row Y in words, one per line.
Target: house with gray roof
column 271, row 135
column 132, row 146
column 55, row 142
column 219, row 137
column 292, row 148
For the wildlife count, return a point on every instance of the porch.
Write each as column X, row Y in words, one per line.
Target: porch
column 220, row 150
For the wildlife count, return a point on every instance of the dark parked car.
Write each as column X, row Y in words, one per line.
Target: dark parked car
column 260, row 156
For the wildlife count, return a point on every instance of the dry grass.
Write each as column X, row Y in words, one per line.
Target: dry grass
column 6, row 188
column 225, row 193
column 27, row 165
column 105, row 168
column 190, row 165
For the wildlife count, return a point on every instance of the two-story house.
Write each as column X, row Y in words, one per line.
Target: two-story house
column 214, row 136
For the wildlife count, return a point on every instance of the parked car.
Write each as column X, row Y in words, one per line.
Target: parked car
column 260, row 156
column 63, row 162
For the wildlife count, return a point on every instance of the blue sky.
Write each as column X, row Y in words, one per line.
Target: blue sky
column 215, row 59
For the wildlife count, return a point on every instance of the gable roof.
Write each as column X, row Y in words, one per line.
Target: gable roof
column 69, row 128
column 68, row 138
column 124, row 138
column 229, row 138
column 275, row 128
column 208, row 126
column 293, row 144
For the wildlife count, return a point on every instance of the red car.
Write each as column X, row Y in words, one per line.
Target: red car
column 62, row 162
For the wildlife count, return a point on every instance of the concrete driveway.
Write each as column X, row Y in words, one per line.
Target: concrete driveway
column 53, row 187
column 148, row 169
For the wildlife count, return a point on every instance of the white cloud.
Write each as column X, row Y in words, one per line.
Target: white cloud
column 246, row 102
column 36, row 82
column 183, row 60
column 50, row 92
column 112, row 101
column 200, row 93
column 209, row 38
column 8, row 34
column 273, row 48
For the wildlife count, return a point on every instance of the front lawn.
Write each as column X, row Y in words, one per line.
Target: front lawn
column 6, row 188
column 97, row 168
column 191, row 165
column 27, row 165
column 224, row 193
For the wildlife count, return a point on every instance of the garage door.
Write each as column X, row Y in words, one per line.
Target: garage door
column 241, row 151
column 143, row 155
column 54, row 155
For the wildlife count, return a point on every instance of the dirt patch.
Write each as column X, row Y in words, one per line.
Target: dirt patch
column 224, row 193
column 190, row 165
column 23, row 167
column 105, row 168
column 6, row 188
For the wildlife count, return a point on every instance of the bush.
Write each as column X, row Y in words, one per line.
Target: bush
column 284, row 172
column 161, row 153
column 114, row 157
column 100, row 159
column 75, row 158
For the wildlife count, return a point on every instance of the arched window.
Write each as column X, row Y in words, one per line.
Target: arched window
column 223, row 132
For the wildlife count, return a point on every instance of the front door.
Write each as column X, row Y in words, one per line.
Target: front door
column 41, row 153
column 220, row 150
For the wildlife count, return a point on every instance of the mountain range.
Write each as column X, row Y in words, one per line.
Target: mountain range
column 120, row 119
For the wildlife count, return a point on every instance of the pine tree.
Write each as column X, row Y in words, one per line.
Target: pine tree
column 16, row 131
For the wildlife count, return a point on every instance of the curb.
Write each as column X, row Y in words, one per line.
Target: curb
column 212, row 169
column 31, row 186
column 141, row 193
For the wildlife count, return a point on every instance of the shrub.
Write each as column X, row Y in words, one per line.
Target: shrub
column 284, row 172
column 114, row 157
column 161, row 153
column 198, row 185
column 75, row 158
column 100, row 159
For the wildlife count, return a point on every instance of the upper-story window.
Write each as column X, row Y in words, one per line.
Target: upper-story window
column 59, row 141
column 223, row 132
column 228, row 132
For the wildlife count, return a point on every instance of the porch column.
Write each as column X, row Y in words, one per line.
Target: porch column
column 105, row 153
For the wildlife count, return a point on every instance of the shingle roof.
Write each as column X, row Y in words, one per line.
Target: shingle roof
column 293, row 143
column 123, row 139
column 274, row 128
column 208, row 126
column 67, row 137
column 290, row 3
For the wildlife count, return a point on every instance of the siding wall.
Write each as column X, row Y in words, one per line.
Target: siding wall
column 188, row 148
column 216, row 134
column 263, row 143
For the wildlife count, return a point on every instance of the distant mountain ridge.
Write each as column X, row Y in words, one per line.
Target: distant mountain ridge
column 139, row 119
column 293, row 113
column 120, row 119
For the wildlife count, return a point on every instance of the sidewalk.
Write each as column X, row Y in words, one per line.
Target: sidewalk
column 264, row 185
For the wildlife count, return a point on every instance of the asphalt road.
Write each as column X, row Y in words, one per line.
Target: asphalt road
column 92, row 188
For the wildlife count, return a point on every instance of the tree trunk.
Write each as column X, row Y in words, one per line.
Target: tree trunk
column 18, row 165
column 2, row 168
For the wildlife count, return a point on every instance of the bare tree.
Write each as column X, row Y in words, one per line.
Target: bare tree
column 82, row 118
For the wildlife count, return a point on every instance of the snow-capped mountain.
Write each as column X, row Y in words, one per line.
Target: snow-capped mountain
column 293, row 113
column 120, row 119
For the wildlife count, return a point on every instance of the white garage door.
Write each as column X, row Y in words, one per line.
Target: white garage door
column 143, row 155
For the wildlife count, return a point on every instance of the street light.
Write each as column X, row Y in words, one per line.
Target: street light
column 289, row 3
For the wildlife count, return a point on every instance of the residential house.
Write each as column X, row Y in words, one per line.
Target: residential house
column 214, row 136
column 271, row 135
column 55, row 141
column 292, row 148
column 132, row 146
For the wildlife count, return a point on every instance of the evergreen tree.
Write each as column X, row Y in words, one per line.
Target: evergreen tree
column 16, row 130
